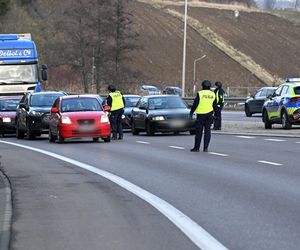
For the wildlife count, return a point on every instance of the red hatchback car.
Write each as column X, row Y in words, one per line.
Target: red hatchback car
column 8, row 106
column 78, row 116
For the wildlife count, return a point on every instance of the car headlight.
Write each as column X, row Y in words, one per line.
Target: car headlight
column 104, row 119
column 35, row 113
column 158, row 118
column 65, row 120
column 6, row 119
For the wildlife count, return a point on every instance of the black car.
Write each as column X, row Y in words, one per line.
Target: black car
column 33, row 111
column 170, row 90
column 130, row 103
column 255, row 102
column 161, row 113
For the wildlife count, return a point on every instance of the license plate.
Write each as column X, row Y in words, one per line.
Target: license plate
column 86, row 128
column 177, row 123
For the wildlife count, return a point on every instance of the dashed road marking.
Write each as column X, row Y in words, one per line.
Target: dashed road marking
column 274, row 140
column 219, row 154
column 246, row 137
column 271, row 163
column 176, row 147
column 143, row 142
column 201, row 238
column 298, row 142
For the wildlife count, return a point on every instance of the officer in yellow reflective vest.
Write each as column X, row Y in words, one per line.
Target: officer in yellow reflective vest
column 203, row 106
column 116, row 103
column 220, row 93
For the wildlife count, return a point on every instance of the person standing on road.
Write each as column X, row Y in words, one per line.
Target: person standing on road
column 116, row 102
column 203, row 106
column 220, row 93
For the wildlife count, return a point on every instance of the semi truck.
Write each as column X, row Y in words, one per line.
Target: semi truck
column 19, row 65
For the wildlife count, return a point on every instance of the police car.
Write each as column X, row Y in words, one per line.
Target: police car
column 283, row 106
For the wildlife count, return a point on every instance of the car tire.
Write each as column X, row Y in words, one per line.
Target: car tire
column 247, row 111
column 106, row 139
column 52, row 137
column 285, row 122
column 95, row 139
column 134, row 130
column 268, row 124
column 29, row 134
column 192, row 132
column 149, row 130
column 3, row 135
column 19, row 133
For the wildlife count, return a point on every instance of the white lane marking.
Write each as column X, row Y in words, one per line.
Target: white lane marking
column 191, row 229
column 143, row 142
column 271, row 163
column 219, row 154
column 298, row 142
column 274, row 140
column 176, row 147
column 245, row 137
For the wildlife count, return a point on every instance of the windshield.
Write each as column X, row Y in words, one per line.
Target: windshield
column 131, row 101
column 43, row 100
column 18, row 73
column 80, row 104
column 9, row 104
column 170, row 102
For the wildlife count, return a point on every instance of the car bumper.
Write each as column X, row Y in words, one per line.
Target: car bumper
column 38, row 124
column 7, row 128
column 173, row 125
column 126, row 122
column 75, row 131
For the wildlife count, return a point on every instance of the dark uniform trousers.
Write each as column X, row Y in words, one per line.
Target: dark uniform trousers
column 116, row 123
column 204, row 121
column 218, row 118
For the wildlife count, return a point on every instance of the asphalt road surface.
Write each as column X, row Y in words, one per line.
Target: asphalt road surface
column 240, row 116
column 244, row 193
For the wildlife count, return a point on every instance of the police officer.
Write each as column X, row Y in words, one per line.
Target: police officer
column 203, row 106
column 219, row 91
column 116, row 103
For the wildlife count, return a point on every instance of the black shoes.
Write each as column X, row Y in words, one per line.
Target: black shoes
column 120, row 138
column 194, row 150
column 205, row 150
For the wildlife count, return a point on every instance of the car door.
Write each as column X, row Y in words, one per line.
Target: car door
column 139, row 113
column 255, row 102
column 273, row 105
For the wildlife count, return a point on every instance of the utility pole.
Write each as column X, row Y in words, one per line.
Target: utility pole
column 194, row 74
column 184, row 49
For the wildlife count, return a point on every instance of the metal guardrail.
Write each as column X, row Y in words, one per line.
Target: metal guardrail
column 229, row 101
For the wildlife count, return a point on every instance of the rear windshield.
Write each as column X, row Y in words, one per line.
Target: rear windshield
column 131, row 101
column 9, row 104
column 43, row 100
column 170, row 102
column 80, row 104
column 297, row 90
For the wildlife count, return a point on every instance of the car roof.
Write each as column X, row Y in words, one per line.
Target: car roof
column 131, row 95
column 47, row 93
column 81, row 96
column 163, row 96
column 11, row 97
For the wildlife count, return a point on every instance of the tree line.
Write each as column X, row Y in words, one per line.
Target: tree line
column 87, row 42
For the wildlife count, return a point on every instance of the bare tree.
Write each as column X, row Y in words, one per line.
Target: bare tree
column 297, row 4
column 269, row 4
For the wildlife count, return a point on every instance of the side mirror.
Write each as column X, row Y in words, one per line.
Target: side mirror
column 106, row 108
column 143, row 108
column 44, row 72
column 54, row 110
column 22, row 105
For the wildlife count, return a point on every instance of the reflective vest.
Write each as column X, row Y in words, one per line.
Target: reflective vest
column 117, row 101
column 206, row 100
column 218, row 98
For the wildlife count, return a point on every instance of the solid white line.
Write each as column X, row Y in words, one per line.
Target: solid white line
column 214, row 153
column 274, row 140
column 245, row 137
column 298, row 142
column 191, row 229
column 143, row 142
column 176, row 147
column 271, row 163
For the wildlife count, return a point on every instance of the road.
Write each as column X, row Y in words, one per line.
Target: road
column 244, row 193
column 240, row 116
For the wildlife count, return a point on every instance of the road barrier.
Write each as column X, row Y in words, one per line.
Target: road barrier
column 229, row 101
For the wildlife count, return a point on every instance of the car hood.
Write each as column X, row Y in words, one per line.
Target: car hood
column 169, row 112
column 84, row 114
column 11, row 114
column 41, row 109
column 127, row 111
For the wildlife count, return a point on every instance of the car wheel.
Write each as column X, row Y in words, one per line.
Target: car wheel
column 29, row 134
column 106, row 139
column 19, row 133
column 149, row 129
column 247, row 111
column 285, row 122
column 3, row 135
column 192, row 132
column 95, row 139
column 268, row 124
column 134, row 130
column 52, row 137
column 59, row 137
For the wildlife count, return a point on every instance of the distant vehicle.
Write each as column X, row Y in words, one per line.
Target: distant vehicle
column 150, row 90
column 8, row 106
column 32, row 114
column 255, row 102
column 283, row 106
column 130, row 103
column 19, row 64
column 161, row 113
column 78, row 116
column 170, row 90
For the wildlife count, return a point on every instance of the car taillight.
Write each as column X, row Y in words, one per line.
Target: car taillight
column 295, row 99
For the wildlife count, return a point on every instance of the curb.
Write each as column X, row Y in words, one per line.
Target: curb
column 5, row 227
